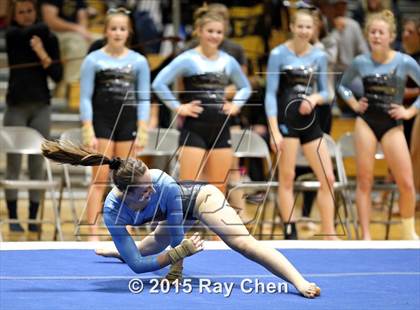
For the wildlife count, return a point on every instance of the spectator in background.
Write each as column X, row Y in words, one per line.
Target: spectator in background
column 366, row 8
column 236, row 51
column 380, row 114
column 28, row 97
column 328, row 44
column 114, row 103
column 206, row 72
column 4, row 7
column 291, row 99
column 69, row 21
column 411, row 46
column 350, row 42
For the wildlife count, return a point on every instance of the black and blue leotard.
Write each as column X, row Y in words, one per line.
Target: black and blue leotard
column 204, row 80
column 289, row 78
column 383, row 84
column 115, row 94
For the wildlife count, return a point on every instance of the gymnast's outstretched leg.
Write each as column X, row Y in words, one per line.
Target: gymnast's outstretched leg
column 214, row 211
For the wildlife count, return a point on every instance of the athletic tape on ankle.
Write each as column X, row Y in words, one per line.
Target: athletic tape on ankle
column 175, row 273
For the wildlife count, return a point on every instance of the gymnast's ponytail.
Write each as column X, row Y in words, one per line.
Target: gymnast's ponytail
column 124, row 172
column 65, row 152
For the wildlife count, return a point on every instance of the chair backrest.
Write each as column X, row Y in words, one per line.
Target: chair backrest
column 23, row 140
column 20, row 140
column 348, row 149
column 74, row 135
column 335, row 154
column 246, row 143
column 161, row 142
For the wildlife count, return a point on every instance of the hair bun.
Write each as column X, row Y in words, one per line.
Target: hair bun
column 115, row 163
column 201, row 11
column 388, row 13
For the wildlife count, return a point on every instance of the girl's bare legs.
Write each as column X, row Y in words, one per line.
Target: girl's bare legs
column 213, row 210
column 191, row 163
column 320, row 162
column 97, row 189
column 287, row 177
column 365, row 144
column 217, row 167
column 398, row 158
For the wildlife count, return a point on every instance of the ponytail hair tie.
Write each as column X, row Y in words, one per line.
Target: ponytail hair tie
column 115, row 163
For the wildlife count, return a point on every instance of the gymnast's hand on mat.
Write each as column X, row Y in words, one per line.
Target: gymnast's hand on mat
column 362, row 105
column 175, row 273
column 192, row 109
column 398, row 111
column 186, row 248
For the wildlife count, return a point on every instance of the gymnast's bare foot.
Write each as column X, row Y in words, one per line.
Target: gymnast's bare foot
column 309, row 290
column 108, row 253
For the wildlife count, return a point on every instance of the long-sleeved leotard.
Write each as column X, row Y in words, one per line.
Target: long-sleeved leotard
column 204, row 80
column 113, row 91
column 171, row 202
column 289, row 78
column 383, row 84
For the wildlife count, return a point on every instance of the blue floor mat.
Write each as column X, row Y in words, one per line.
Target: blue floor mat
column 78, row 279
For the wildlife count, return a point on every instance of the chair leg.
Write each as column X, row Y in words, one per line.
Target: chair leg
column 261, row 213
column 388, row 223
column 353, row 216
column 346, row 214
column 67, row 184
column 56, row 215
column 60, row 200
column 41, row 214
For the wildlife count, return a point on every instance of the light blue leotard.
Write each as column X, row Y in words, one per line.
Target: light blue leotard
column 192, row 63
column 281, row 61
column 119, row 78
column 383, row 84
column 401, row 66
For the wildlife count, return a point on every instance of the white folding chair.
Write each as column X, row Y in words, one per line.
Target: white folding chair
column 248, row 144
column 347, row 149
column 25, row 140
column 340, row 186
column 163, row 142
